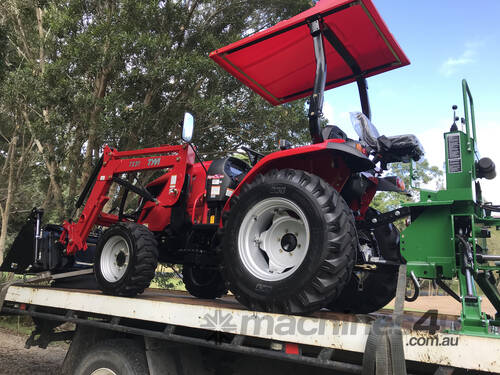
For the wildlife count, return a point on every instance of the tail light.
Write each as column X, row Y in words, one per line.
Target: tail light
column 361, row 149
column 401, row 184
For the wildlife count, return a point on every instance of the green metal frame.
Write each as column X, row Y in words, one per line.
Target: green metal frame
column 447, row 225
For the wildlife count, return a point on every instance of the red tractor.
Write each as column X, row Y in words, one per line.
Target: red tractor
column 285, row 232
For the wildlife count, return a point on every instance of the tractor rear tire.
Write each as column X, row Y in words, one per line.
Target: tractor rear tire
column 288, row 243
column 126, row 259
column 378, row 287
column 203, row 282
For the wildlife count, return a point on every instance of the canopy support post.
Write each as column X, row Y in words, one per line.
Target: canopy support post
column 353, row 64
column 316, row 99
column 363, row 97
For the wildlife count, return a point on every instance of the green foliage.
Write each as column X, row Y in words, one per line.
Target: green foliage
column 168, row 278
column 76, row 75
column 21, row 325
column 423, row 173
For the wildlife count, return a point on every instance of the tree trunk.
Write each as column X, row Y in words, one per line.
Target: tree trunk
column 99, row 93
column 41, row 37
column 51, row 167
column 48, row 198
column 5, row 211
column 74, row 164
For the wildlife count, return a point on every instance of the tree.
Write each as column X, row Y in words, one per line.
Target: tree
column 423, row 173
column 79, row 74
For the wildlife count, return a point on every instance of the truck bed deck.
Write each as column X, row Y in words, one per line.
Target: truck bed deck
column 324, row 329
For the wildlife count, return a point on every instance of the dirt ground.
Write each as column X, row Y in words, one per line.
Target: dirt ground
column 15, row 359
column 444, row 305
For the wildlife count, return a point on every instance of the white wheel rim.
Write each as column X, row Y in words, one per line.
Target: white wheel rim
column 103, row 371
column 115, row 257
column 267, row 236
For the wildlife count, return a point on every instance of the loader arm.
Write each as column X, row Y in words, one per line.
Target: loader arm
column 114, row 164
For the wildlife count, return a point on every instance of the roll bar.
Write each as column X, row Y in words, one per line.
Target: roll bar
column 472, row 121
column 318, row 30
column 317, row 97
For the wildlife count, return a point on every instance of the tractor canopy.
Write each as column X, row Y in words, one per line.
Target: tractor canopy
column 280, row 64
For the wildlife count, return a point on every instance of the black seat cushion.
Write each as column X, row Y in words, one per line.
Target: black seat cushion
column 400, row 148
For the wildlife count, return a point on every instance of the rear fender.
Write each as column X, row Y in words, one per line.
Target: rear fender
column 392, row 183
column 332, row 160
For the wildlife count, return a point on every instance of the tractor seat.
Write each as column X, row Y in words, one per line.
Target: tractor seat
column 399, row 148
column 387, row 149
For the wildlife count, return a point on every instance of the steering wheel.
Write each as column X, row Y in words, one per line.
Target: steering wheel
column 253, row 155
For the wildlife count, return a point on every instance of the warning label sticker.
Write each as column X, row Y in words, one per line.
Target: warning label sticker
column 215, row 191
column 454, row 153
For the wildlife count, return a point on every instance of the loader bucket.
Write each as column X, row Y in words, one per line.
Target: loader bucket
column 22, row 252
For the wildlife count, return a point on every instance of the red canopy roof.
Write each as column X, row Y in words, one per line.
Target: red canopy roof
column 279, row 64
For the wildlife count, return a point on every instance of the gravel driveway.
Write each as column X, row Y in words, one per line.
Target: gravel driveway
column 15, row 359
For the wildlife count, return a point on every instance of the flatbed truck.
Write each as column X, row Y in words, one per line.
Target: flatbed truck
column 170, row 332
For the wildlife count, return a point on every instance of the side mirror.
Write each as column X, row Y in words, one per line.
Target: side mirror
column 187, row 127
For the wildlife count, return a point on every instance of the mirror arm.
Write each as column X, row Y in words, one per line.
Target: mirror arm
column 197, row 156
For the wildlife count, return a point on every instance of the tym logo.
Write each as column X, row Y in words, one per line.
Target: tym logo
column 154, row 162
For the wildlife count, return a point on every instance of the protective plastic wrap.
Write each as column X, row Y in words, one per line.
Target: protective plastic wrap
column 392, row 149
column 366, row 131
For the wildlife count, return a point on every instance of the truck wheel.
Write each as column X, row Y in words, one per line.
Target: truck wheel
column 369, row 291
column 126, row 259
column 114, row 357
column 203, row 282
column 288, row 244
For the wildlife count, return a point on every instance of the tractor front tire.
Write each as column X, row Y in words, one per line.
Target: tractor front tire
column 203, row 282
column 126, row 259
column 288, row 244
column 369, row 291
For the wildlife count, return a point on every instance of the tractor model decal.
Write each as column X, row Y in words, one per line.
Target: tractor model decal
column 153, row 162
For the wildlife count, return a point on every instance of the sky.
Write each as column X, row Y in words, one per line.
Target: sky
column 445, row 41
